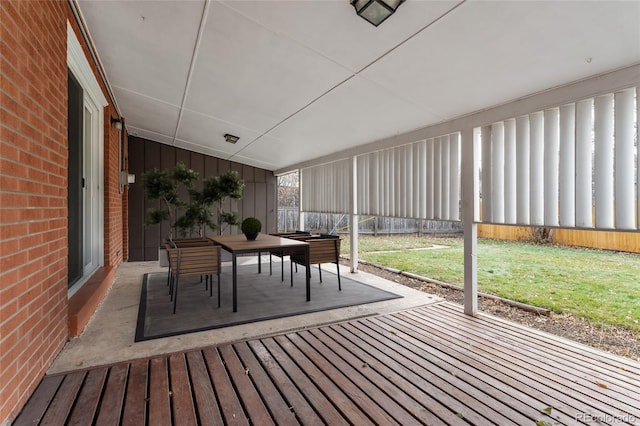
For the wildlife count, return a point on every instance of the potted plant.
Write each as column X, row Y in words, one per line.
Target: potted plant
column 251, row 227
column 216, row 190
column 192, row 213
column 165, row 186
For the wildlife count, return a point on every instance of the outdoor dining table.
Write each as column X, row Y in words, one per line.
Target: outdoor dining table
column 238, row 244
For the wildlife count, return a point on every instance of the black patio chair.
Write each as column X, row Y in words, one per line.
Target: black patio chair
column 322, row 249
column 188, row 261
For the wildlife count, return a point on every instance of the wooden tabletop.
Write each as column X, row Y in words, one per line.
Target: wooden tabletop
column 239, row 243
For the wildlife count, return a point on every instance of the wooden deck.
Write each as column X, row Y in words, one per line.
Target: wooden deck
column 430, row 365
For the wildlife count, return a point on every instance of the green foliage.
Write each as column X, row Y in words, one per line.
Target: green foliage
column 159, row 185
column 155, row 216
column 217, row 189
column 185, row 175
column 251, row 225
column 194, row 214
column 164, row 185
column 231, row 218
column 230, row 184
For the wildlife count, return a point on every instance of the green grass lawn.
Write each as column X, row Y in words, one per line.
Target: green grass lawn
column 601, row 286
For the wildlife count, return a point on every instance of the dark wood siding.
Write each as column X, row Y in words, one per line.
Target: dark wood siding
column 259, row 196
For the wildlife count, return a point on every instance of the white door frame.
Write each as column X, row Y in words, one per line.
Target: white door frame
column 94, row 102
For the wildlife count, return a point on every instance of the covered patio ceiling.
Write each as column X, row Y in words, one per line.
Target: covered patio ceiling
column 298, row 80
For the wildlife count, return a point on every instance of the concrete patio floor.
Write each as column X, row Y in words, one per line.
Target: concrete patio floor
column 109, row 336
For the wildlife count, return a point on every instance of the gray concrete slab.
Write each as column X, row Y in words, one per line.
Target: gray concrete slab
column 109, row 336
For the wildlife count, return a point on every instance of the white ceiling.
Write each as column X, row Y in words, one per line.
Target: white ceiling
column 300, row 79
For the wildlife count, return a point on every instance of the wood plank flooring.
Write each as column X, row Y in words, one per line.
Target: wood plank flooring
column 430, row 365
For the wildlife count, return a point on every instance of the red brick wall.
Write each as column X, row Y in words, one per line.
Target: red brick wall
column 33, row 195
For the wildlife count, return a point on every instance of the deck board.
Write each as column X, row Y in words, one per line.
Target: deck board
column 538, row 364
column 89, row 398
column 428, row 365
column 205, row 398
column 159, row 393
column 135, row 404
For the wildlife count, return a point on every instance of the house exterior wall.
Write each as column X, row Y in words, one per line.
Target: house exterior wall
column 258, row 200
column 34, row 301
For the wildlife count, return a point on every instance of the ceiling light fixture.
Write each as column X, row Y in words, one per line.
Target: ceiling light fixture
column 376, row 11
column 230, row 138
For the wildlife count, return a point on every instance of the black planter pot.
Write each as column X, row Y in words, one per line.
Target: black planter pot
column 251, row 235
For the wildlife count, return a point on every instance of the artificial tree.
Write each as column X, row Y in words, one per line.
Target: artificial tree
column 220, row 188
column 165, row 185
column 195, row 213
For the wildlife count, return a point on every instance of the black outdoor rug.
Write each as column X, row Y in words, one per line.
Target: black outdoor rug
column 260, row 297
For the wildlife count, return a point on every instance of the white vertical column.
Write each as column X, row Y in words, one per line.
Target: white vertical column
column 300, row 202
column 392, row 182
column 454, row 180
column 393, row 194
column 567, row 165
column 469, row 217
column 422, row 171
column 408, row 178
column 437, row 178
column 510, row 171
column 523, row 158
column 551, row 165
column 399, row 182
column 364, row 200
column 386, row 182
column 486, row 174
column 374, row 194
column 380, row 181
column 363, row 180
column 353, row 216
column 418, row 190
column 364, row 183
column 603, row 130
column 446, row 187
column 584, row 163
column 497, row 172
column 430, row 173
column 536, row 165
column 624, row 160
column 638, row 154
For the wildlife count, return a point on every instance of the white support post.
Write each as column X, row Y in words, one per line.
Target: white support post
column 470, row 213
column 638, row 154
column 603, row 129
column 353, row 217
column 624, row 153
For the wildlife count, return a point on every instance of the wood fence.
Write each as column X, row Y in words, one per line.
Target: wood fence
column 607, row 240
